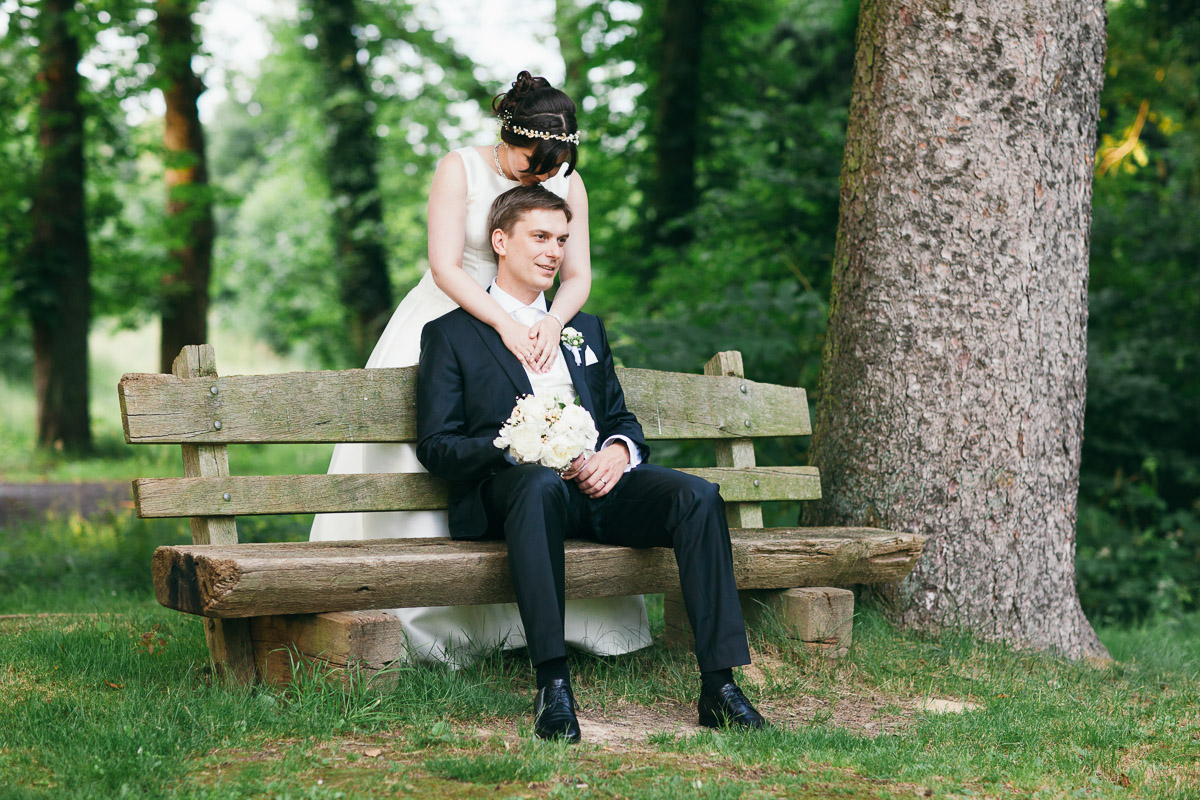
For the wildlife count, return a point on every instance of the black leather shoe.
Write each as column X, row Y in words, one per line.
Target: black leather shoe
column 554, row 712
column 728, row 706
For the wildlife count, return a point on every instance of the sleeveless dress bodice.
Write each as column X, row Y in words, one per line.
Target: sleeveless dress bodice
column 484, row 185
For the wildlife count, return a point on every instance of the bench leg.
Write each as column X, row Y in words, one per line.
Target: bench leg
column 345, row 645
column 230, row 648
column 820, row 618
column 677, row 631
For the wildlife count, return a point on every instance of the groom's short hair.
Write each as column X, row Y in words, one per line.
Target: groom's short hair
column 511, row 206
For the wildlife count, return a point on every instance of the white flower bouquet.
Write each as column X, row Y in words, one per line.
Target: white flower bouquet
column 547, row 432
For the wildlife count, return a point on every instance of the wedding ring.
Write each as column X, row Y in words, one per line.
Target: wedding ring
column 604, row 481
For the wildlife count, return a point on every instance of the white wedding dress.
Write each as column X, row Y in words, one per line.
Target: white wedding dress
column 458, row 635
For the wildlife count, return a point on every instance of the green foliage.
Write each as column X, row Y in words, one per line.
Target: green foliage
column 775, row 89
column 268, row 154
column 1137, row 556
column 1139, row 547
column 124, row 249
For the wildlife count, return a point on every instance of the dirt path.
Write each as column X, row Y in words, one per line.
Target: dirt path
column 21, row 502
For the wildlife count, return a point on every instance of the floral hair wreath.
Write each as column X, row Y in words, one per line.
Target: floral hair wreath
column 506, row 122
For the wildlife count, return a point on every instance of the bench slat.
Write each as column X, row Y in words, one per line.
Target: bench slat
column 309, row 494
column 375, row 405
column 312, row 577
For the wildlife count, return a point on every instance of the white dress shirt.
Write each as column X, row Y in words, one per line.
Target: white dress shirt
column 557, row 382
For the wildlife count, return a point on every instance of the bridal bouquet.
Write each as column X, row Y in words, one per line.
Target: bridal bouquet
column 547, row 432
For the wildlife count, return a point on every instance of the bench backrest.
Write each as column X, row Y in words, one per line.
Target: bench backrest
column 204, row 413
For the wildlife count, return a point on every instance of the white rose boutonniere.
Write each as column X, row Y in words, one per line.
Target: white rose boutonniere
column 573, row 339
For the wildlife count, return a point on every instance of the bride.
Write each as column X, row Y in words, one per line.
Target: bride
column 538, row 144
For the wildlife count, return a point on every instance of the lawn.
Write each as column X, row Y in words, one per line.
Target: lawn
column 108, row 695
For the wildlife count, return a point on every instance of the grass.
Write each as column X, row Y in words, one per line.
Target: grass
column 109, row 695
column 113, row 697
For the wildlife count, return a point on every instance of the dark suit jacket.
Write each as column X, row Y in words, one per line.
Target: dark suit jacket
column 467, row 385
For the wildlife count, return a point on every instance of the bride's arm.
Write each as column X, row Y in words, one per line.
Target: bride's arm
column 447, row 237
column 574, row 278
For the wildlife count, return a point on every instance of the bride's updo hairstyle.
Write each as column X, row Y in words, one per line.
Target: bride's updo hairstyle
column 535, row 114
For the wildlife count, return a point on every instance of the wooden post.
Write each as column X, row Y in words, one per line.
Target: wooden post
column 345, row 646
column 735, row 452
column 730, row 453
column 228, row 640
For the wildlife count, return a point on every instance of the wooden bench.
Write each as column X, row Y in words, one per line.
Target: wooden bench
column 260, row 599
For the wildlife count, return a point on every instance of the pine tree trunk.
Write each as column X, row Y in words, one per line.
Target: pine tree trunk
column 952, row 391
column 55, row 276
column 189, row 200
column 671, row 194
column 351, row 155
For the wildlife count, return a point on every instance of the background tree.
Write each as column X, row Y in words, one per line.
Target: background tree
column 123, row 253
column 269, row 157
column 670, row 192
column 189, row 199
column 571, row 24
column 1139, row 522
column 351, row 166
column 53, row 280
column 952, row 391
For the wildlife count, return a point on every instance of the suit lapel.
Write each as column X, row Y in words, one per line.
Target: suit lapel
column 512, row 367
column 577, row 378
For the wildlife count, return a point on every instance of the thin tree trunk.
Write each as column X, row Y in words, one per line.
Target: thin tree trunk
column 189, row 203
column 671, row 194
column 953, row 382
column 351, row 166
column 55, row 278
column 568, row 25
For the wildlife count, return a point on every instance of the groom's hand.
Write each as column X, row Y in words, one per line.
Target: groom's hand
column 601, row 472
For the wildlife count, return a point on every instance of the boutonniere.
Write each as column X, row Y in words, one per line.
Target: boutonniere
column 573, row 340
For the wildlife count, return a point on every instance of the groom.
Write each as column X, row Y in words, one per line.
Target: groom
column 467, row 385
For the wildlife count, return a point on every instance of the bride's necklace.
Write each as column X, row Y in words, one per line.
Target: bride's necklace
column 496, row 158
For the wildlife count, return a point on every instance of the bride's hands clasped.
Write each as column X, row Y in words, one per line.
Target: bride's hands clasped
column 536, row 347
column 545, row 335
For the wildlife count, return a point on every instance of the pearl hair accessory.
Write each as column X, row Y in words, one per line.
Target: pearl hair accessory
column 506, row 122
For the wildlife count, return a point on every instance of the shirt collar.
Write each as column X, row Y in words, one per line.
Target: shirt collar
column 511, row 304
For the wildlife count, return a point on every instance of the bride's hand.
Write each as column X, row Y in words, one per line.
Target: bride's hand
column 518, row 339
column 545, row 335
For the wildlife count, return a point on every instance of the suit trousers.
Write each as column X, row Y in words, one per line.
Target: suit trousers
column 535, row 511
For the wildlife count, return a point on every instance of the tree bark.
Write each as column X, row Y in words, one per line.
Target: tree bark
column 55, row 277
column 189, row 199
column 569, row 27
column 671, row 194
column 953, row 383
column 351, row 157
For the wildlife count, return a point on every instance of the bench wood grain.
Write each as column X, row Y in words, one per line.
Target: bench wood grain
column 251, row 580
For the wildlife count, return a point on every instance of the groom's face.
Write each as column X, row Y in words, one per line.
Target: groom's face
column 530, row 256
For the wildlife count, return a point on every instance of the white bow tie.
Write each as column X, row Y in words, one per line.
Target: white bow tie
column 528, row 315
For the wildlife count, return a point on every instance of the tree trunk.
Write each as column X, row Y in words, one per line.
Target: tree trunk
column 671, row 194
column 55, row 277
column 952, row 391
column 189, row 200
column 351, row 167
column 569, row 28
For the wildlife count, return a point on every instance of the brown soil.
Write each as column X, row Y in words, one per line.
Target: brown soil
column 23, row 502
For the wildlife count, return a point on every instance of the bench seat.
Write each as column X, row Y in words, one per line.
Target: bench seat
column 251, row 580
column 267, row 607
